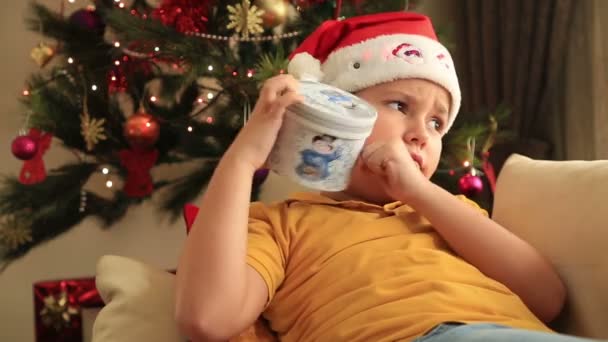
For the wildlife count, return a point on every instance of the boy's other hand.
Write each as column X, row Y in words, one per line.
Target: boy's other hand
column 255, row 140
column 393, row 164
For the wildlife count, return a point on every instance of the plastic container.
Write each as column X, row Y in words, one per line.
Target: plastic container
column 321, row 138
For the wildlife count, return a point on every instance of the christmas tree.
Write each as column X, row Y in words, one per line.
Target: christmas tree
column 130, row 86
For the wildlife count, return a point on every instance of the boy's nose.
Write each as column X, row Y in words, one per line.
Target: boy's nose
column 416, row 133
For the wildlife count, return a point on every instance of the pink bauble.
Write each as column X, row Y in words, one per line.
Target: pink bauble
column 470, row 185
column 24, row 147
column 260, row 176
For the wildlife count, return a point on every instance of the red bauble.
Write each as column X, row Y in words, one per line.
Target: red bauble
column 470, row 185
column 141, row 130
column 24, row 147
column 88, row 19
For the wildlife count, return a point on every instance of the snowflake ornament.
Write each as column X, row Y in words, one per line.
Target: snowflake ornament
column 14, row 235
column 245, row 19
column 92, row 130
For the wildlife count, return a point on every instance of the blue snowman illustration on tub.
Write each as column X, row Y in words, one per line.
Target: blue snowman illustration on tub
column 316, row 160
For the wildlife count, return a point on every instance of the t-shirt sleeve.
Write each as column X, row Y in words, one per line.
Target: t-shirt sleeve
column 473, row 204
column 264, row 252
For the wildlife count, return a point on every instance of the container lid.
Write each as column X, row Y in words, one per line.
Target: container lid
column 333, row 108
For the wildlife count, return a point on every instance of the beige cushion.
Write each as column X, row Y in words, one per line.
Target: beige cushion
column 139, row 302
column 561, row 209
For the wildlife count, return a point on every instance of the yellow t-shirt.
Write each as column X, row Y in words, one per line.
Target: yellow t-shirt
column 352, row 271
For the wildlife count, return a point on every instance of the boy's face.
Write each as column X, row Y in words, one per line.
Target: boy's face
column 414, row 111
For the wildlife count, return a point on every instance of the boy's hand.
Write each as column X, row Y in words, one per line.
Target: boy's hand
column 392, row 162
column 255, row 140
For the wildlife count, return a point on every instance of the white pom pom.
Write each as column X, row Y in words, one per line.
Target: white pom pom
column 305, row 66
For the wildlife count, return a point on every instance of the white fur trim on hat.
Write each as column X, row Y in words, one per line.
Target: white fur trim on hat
column 304, row 65
column 391, row 57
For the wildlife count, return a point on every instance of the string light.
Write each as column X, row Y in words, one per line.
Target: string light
column 200, row 100
column 156, row 48
column 26, row 92
column 209, row 120
column 113, row 78
column 466, row 163
column 116, row 62
column 210, row 68
column 189, row 128
column 116, row 0
column 117, row 44
column 94, row 87
column 234, row 73
column 70, row 60
column 71, row 1
column 105, row 170
column 148, row 124
column 209, row 96
column 121, row 5
column 153, row 98
column 109, row 184
column 249, row 73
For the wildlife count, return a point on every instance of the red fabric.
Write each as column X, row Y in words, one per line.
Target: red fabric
column 488, row 169
column 138, row 164
column 189, row 212
column 335, row 34
column 33, row 170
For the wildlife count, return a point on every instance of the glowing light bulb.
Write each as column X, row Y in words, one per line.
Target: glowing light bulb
column 94, row 87
column 210, row 68
column 109, row 184
column 105, row 170
column 209, row 96
column 116, row 62
column 70, row 60
column 117, row 44
column 153, row 98
column 189, row 128
column 466, row 163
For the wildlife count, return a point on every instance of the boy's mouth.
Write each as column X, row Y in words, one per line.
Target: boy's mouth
column 418, row 159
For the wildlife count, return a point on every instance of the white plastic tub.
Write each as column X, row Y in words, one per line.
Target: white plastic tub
column 321, row 138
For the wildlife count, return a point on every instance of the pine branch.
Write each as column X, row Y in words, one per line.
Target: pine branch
column 187, row 188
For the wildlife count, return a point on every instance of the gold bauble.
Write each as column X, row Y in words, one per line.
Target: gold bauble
column 276, row 12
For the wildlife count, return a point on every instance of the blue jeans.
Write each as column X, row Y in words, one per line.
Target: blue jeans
column 485, row 332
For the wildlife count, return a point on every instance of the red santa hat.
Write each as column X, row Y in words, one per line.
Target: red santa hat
column 363, row 51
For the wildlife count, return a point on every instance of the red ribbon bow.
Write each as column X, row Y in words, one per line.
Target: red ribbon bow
column 138, row 164
column 33, row 170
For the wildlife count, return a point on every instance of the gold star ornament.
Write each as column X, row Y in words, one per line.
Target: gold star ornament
column 42, row 54
column 14, row 235
column 245, row 19
column 92, row 130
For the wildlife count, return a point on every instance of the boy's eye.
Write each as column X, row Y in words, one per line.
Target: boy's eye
column 436, row 123
column 398, row 105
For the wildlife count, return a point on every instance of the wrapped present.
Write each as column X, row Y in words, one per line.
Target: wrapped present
column 58, row 307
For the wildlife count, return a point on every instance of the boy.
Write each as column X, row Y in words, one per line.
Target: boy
column 392, row 257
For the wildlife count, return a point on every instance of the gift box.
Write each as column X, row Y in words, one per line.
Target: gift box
column 59, row 305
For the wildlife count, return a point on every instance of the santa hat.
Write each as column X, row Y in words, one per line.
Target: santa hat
column 363, row 51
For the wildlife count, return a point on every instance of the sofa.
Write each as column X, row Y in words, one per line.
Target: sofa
column 560, row 207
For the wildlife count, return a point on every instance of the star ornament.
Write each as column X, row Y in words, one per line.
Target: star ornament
column 92, row 130
column 245, row 19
